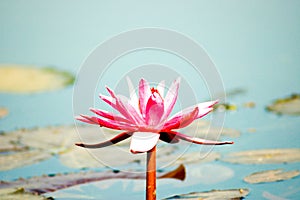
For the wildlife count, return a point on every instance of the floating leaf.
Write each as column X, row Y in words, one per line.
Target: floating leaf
column 53, row 182
column 3, row 112
column 55, row 139
column 28, row 79
column 19, row 159
column 264, row 156
column 214, row 195
column 19, row 194
column 10, row 143
column 271, row 176
column 27, row 146
column 249, row 104
column 288, row 106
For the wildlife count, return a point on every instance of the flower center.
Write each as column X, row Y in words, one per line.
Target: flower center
column 154, row 108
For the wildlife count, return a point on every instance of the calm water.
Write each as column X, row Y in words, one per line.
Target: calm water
column 254, row 45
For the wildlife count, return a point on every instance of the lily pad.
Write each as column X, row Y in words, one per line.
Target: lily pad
column 288, row 106
column 27, row 146
column 249, row 104
column 271, row 176
column 55, row 139
column 264, row 156
column 19, row 159
column 214, row 195
column 27, row 79
column 3, row 112
column 19, row 194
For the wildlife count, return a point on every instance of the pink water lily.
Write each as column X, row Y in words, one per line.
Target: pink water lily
column 145, row 117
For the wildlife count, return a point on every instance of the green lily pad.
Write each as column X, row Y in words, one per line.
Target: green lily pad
column 3, row 112
column 28, row 79
column 288, row 106
column 214, row 195
column 271, row 176
column 263, row 156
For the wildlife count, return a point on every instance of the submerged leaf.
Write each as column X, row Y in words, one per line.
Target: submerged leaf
column 288, row 106
column 214, row 195
column 264, row 156
column 28, row 79
column 53, row 182
column 271, row 176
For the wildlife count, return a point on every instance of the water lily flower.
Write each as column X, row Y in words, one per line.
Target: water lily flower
column 146, row 117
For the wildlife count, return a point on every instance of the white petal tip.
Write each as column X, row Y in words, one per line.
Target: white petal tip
column 143, row 141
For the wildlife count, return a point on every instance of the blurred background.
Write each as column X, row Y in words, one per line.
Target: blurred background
column 255, row 46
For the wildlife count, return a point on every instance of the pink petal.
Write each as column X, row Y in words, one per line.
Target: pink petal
column 181, row 119
column 116, row 139
column 171, row 98
column 143, row 141
column 203, row 107
column 203, row 112
column 122, row 105
column 127, row 110
column 198, row 140
column 80, row 118
column 117, row 103
column 207, row 104
column 161, row 88
column 110, row 123
column 111, row 92
column 109, row 115
column 144, row 94
column 109, row 100
column 154, row 110
column 134, row 101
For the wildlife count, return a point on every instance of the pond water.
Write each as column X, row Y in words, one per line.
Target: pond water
column 254, row 45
